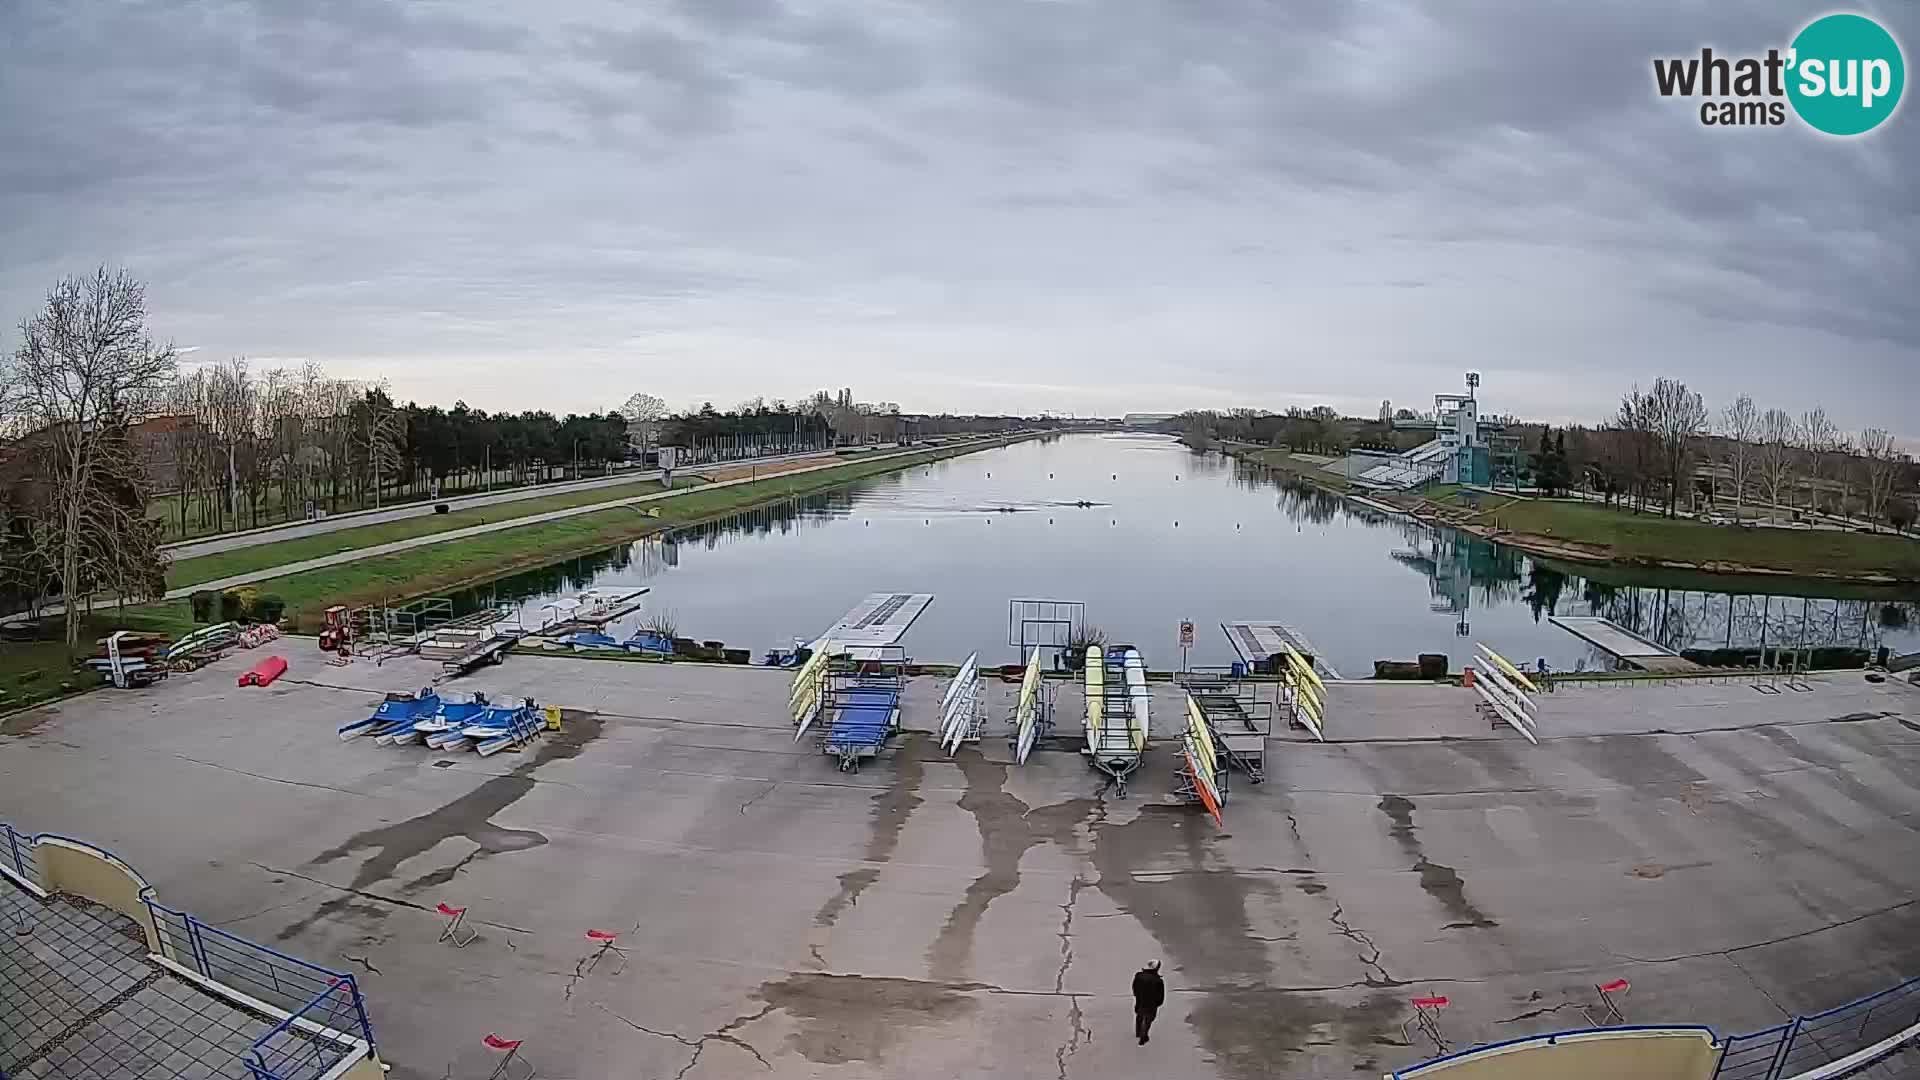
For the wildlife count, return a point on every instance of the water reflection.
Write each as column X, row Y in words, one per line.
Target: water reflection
column 1148, row 533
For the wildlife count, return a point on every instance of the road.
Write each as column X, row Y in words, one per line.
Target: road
column 1737, row 857
column 273, row 534
column 336, row 559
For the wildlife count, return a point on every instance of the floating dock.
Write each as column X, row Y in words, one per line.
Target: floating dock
column 1260, row 641
column 880, row 620
column 1623, row 644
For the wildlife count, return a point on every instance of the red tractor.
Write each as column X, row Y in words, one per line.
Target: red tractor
column 337, row 635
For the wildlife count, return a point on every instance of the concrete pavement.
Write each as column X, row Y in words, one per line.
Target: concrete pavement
column 1736, row 856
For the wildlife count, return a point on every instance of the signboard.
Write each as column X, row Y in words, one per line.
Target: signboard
column 667, row 456
column 1186, row 634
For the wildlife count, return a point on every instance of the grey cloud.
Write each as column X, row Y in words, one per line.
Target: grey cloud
column 1134, row 193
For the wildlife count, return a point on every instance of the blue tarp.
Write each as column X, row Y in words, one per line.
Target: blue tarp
column 862, row 717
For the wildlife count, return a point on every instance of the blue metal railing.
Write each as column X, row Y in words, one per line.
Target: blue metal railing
column 312, row 995
column 1826, row 1037
column 16, row 854
column 293, row 1050
column 1784, row 1050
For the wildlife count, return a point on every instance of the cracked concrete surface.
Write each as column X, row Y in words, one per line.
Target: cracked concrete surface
column 1736, row 856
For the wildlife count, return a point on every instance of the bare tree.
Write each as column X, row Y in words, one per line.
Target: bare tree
column 643, row 413
column 1678, row 417
column 1740, row 426
column 1819, row 437
column 1637, row 448
column 1879, row 463
column 86, row 368
column 378, row 431
column 1778, row 435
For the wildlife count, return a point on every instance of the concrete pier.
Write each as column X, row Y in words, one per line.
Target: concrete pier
column 1736, row 856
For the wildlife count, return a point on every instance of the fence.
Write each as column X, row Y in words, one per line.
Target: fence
column 294, row 1050
column 1846, row 1037
column 1809, row 1042
column 326, row 1018
column 16, row 855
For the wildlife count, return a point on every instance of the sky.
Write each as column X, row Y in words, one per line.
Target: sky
column 1077, row 206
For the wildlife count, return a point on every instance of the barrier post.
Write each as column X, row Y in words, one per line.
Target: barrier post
column 13, row 846
column 1786, row 1044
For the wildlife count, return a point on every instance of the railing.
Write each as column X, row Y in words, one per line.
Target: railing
column 296, row 1050
column 16, row 854
column 1809, row 1042
column 1796, row 1048
column 327, row 1018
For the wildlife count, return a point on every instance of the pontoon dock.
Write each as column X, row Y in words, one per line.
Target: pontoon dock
column 1259, row 642
column 1623, row 644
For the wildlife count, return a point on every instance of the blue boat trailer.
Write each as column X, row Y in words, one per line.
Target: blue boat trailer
column 861, row 708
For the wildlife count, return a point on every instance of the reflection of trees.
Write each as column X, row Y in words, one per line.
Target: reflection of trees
column 1300, row 502
column 1687, row 619
column 1543, row 589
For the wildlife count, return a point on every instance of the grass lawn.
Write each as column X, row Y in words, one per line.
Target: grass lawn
column 1650, row 536
column 166, row 508
column 241, row 560
column 34, row 671
column 442, row 567
column 1302, row 467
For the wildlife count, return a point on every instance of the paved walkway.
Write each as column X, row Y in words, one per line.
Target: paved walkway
column 338, row 558
column 273, row 534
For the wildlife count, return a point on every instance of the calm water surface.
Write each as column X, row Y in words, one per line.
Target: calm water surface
column 1171, row 534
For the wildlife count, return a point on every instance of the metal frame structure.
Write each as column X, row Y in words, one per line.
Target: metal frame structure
column 1117, row 712
column 874, row 682
column 1032, row 710
column 1239, row 720
column 1045, row 624
column 960, row 717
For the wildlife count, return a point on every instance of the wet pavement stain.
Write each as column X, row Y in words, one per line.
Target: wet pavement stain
column 1196, row 912
column 1249, row 1032
column 846, row 1018
column 468, row 816
column 1438, row 880
column 892, row 806
column 1008, row 829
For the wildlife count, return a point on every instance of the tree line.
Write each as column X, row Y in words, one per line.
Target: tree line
column 109, row 447
column 1662, row 450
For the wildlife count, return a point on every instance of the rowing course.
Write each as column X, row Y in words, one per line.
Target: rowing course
column 962, row 916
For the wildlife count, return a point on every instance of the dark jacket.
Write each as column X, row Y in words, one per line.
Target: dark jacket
column 1148, row 990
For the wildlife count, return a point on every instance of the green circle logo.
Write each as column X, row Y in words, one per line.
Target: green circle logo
column 1846, row 74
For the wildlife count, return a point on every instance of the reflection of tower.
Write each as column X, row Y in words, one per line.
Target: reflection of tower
column 1448, row 567
column 1452, row 578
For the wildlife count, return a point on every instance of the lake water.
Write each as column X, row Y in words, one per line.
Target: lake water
column 1170, row 534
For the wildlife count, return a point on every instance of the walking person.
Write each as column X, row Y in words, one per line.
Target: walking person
column 1148, row 994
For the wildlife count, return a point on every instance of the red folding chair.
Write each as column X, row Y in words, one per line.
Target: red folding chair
column 510, row 1048
column 607, row 940
column 1610, row 1008
column 456, row 925
column 1426, row 1016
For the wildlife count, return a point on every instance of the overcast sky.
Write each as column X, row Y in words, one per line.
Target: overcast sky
column 1011, row 205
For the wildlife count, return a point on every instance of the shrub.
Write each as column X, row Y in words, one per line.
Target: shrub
column 233, row 605
column 203, row 603
column 269, row 608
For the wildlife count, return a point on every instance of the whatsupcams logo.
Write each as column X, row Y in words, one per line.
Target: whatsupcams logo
column 1842, row 75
